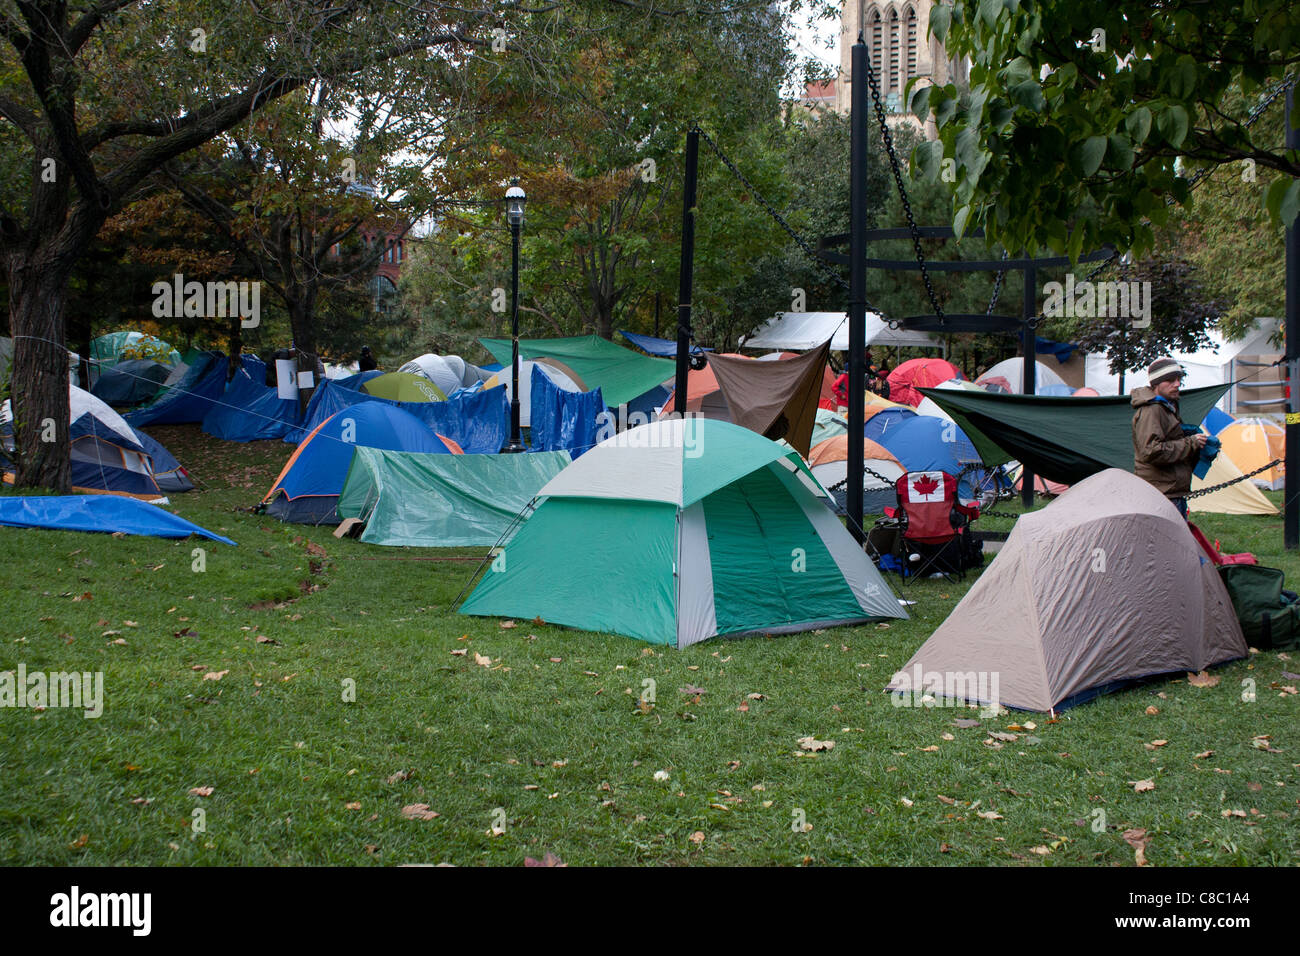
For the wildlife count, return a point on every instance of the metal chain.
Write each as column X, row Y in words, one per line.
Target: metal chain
column 843, row 482
column 997, row 286
column 888, row 138
column 1285, row 84
column 1205, row 491
column 780, row 220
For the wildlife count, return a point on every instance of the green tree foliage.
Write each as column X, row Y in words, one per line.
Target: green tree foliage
column 97, row 95
column 601, row 159
column 1082, row 119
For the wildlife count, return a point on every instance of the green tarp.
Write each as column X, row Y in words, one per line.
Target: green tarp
column 619, row 373
column 1061, row 438
column 408, row 499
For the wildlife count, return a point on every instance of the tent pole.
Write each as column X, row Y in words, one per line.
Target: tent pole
column 857, row 284
column 687, row 270
column 1291, row 507
column 1027, row 337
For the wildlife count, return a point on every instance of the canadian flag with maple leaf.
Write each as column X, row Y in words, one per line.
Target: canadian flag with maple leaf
column 925, row 486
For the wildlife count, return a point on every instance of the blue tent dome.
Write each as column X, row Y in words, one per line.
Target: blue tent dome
column 307, row 489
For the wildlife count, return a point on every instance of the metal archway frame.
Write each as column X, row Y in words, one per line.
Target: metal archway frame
column 968, row 322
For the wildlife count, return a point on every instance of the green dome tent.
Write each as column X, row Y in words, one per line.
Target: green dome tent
column 678, row 531
column 403, row 387
column 108, row 350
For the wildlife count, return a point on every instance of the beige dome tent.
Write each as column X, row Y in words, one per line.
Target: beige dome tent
column 1104, row 585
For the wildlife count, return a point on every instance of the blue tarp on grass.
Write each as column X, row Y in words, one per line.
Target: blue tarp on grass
column 107, row 513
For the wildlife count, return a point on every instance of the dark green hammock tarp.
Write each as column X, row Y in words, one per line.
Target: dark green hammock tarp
column 1061, row 438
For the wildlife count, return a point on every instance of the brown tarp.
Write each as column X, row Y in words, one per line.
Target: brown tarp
column 777, row 399
column 1104, row 585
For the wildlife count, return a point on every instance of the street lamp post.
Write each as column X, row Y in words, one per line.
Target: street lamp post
column 515, row 200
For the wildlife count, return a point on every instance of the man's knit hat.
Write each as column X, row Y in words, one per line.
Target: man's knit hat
column 1162, row 369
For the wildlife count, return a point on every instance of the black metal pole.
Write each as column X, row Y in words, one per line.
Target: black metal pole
column 687, row 270
column 857, row 282
column 1291, row 484
column 1027, row 337
column 516, row 441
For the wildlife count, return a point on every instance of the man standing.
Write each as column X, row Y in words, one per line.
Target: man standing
column 1162, row 453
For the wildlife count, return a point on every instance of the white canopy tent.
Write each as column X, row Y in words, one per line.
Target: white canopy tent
column 801, row 331
column 1210, row 366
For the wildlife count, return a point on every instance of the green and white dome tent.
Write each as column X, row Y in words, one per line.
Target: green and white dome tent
column 678, row 531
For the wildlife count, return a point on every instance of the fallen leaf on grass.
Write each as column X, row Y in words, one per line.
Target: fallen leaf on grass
column 398, row 777
column 1204, row 755
column 999, row 735
column 1041, row 850
column 482, row 661
column 1233, row 813
column 1154, row 744
column 509, row 624
column 989, row 815
column 1137, row 839
column 459, row 652
column 1152, row 711
column 354, row 805
column 1203, row 679
column 418, row 811
column 690, row 690
column 215, row 675
column 697, row 837
column 550, row 859
column 811, row 743
column 948, row 800
column 1142, row 786
column 201, row 792
column 965, row 723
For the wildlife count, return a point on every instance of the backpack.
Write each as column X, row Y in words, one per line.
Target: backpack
column 1269, row 615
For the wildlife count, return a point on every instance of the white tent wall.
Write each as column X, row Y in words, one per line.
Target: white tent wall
column 697, row 617
column 1211, row 366
column 801, row 331
column 1013, row 370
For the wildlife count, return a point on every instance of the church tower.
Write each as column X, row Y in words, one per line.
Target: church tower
column 900, row 46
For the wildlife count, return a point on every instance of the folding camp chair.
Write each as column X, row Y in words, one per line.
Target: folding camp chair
column 930, row 518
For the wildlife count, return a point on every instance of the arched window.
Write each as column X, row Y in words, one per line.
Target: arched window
column 877, row 47
column 909, row 20
column 384, row 293
column 399, row 251
column 893, row 85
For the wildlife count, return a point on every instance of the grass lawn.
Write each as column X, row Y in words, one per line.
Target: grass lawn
column 543, row 748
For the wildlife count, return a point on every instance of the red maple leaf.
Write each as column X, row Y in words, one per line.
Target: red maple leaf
column 925, row 485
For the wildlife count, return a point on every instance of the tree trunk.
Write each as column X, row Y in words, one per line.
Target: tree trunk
column 234, row 346
column 302, row 321
column 39, row 380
